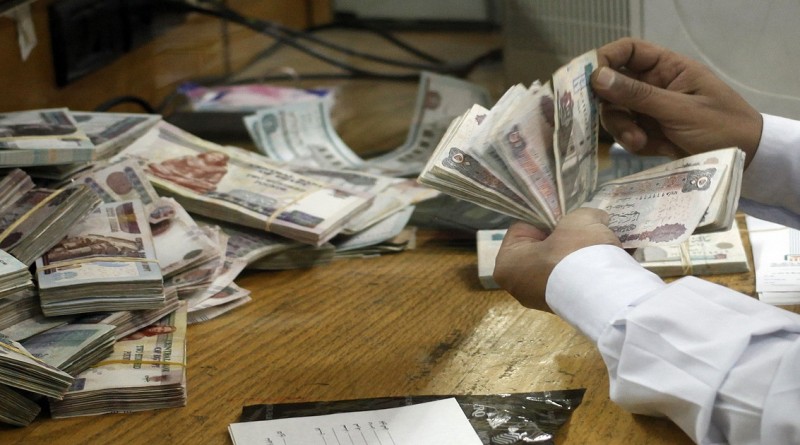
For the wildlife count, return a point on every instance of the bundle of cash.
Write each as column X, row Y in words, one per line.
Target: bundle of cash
column 14, row 276
column 111, row 132
column 18, row 307
column 249, row 245
column 41, row 218
column 534, row 157
column 35, row 324
column 13, row 185
column 72, row 348
column 388, row 193
column 127, row 322
column 15, row 408
column 222, row 183
column 701, row 254
column 146, row 370
column 21, row 370
column 42, row 137
column 105, row 263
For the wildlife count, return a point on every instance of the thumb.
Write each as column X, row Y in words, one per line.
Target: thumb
column 633, row 94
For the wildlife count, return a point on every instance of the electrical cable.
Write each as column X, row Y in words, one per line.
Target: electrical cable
column 114, row 101
column 287, row 36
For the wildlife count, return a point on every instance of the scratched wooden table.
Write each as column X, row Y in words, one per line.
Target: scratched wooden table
column 412, row 323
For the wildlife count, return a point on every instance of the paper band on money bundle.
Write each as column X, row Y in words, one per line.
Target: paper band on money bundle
column 534, row 156
column 105, row 263
column 222, row 183
column 146, row 370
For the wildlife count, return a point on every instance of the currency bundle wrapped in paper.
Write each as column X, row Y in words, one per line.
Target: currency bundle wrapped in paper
column 72, row 348
column 534, row 156
column 41, row 218
column 147, row 370
column 223, row 183
column 106, row 262
column 42, row 137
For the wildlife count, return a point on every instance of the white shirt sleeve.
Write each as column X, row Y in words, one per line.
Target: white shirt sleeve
column 771, row 183
column 723, row 366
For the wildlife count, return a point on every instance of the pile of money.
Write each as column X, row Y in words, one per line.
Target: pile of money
column 106, row 262
column 534, row 156
column 146, row 370
column 15, row 183
column 39, row 219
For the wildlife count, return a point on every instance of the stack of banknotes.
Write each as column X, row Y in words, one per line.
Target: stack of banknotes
column 106, row 262
column 138, row 228
column 145, row 371
column 534, row 156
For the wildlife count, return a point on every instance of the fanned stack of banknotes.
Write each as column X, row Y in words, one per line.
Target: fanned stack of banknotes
column 534, row 156
column 117, row 230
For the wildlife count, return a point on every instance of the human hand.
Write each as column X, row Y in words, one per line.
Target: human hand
column 527, row 255
column 658, row 102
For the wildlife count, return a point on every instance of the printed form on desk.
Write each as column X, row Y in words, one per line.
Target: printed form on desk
column 441, row 422
column 776, row 258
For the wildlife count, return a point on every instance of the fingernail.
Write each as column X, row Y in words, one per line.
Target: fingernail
column 626, row 140
column 605, row 77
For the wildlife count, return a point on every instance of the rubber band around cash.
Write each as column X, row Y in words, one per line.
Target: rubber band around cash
column 279, row 210
column 141, row 362
column 686, row 258
column 42, row 203
column 111, row 259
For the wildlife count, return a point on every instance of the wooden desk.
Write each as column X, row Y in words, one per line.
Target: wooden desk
column 417, row 322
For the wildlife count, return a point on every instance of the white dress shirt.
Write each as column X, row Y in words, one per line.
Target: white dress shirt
column 723, row 366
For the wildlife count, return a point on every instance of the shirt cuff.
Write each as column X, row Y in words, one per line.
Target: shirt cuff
column 590, row 286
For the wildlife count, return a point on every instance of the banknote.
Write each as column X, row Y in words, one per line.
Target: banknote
column 72, row 348
column 576, row 131
column 487, row 245
column 111, row 132
column 523, row 136
column 213, row 181
column 42, row 137
column 440, row 99
column 302, row 133
column 250, row 97
column 145, row 371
